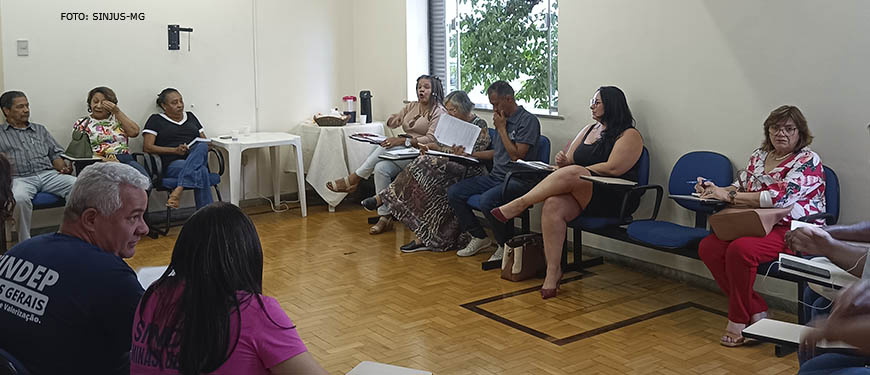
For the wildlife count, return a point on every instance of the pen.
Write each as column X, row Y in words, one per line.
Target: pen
column 692, row 182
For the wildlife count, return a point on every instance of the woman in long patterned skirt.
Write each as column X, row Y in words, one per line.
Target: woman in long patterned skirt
column 418, row 195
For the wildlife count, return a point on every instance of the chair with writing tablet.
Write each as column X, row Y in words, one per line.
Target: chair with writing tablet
column 543, row 155
column 160, row 183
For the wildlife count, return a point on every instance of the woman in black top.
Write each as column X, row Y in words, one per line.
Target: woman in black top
column 168, row 134
column 610, row 147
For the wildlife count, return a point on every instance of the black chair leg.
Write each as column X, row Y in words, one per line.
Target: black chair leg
column 579, row 264
column 3, row 238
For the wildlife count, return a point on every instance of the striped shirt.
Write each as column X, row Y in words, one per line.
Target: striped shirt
column 30, row 150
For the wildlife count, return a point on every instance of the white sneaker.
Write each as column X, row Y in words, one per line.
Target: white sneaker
column 499, row 253
column 474, row 246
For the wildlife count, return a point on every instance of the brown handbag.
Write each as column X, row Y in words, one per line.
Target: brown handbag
column 523, row 257
column 733, row 223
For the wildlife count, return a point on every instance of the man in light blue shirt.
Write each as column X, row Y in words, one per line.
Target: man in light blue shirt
column 35, row 158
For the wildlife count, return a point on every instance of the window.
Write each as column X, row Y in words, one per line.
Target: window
column 476, row 42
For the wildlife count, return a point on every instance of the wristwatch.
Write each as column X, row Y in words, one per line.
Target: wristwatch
column 407, row 142
column 732, row 195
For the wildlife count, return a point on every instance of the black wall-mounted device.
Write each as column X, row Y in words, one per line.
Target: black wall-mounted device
column 174, row 30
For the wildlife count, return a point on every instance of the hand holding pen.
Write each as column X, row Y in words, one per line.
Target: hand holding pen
column 701, row 184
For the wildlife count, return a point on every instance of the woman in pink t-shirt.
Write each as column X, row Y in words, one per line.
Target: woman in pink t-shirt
column 207, row 314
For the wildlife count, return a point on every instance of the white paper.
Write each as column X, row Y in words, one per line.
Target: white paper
column 198, row 139
column 453, row 131
column 374, row 368
column 537, row 165
column 148, row 275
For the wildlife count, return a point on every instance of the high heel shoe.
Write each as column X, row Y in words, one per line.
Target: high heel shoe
column 549, row 293
column 498, row 215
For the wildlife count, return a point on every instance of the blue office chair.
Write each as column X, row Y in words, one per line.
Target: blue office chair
column 40, row 201
column 666, row 235
column 602, row 225
column 11, row 366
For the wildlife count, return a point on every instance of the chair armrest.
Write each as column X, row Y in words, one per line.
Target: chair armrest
column 220, row 160
column 153, row 167
column 623, row 215
column 521, row 172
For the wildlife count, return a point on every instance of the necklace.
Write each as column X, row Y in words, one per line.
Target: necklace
column 781, row 157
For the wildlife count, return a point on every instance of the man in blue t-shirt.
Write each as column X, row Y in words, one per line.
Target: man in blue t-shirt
column 518, row 133
column 67, row 299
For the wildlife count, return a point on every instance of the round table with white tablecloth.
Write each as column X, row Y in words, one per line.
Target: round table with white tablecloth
column 329, row 154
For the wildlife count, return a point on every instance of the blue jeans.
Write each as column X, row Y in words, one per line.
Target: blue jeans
column 131, row 161
column 192, row 173
column 835, row 364
column 491, row 197
column 385, row 171
column 25, row 188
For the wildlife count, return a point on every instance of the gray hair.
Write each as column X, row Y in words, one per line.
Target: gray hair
column 460, row 100
column 99, row 186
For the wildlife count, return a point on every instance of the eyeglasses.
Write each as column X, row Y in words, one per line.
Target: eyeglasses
column 593, row 102
column 788, row 130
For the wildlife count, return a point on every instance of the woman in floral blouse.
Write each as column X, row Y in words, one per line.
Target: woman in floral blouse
column 784, row 172
column 108, row 128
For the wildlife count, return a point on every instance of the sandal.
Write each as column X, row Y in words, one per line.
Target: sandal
column 342, row 185
column 732, row 340
column 384, row 224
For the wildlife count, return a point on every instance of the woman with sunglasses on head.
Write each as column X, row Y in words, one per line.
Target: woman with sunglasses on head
column 783, row 172
column 609, row 147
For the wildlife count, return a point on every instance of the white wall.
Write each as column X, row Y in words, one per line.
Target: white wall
column 380, row 53
column 304, row 64
column 703, row 75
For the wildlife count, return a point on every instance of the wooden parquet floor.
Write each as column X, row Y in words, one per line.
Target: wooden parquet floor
column 355, row 297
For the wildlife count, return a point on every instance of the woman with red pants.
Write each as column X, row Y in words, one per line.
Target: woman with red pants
column 783, row 172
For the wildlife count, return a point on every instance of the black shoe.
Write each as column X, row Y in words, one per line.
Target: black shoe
column 370, row 203
column 412, row 247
